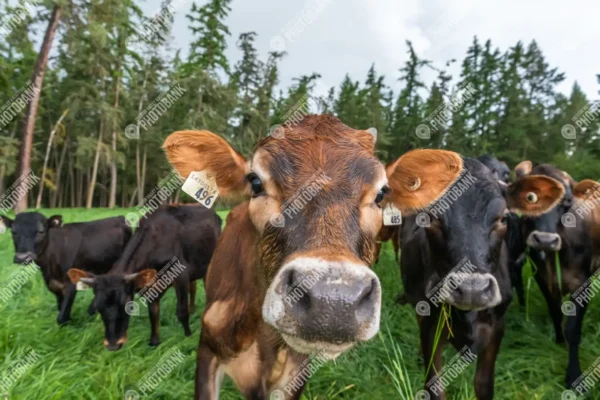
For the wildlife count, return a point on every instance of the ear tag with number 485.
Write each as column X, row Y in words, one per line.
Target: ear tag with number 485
column 202, row 186
column 391, row 215
column 81, row 286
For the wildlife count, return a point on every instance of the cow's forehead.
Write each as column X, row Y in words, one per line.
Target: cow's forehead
column 29, row 219
column 292, row 163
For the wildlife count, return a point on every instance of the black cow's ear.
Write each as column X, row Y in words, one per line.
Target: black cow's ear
column 55, row 221
column 7, row 221
column 76, row 275
column 143, row 278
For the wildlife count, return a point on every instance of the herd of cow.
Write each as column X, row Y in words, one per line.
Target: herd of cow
column 457, row 211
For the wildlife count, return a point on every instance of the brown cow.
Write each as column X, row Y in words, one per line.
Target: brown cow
column 571, row 231
column 253, row 328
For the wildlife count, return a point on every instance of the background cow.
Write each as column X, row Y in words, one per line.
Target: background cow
column 253, row 328
column 513, row 238
column 91, row 246
column 460, row 256
column 572, row 236
column 180, row 239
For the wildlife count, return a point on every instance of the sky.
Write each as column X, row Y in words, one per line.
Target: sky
column 335, row 37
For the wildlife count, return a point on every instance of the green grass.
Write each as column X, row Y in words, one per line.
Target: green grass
column 74, row 364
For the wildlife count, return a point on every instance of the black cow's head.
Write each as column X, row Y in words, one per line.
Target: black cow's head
column 499, row 168
column 564, row 226
column 466, row 230
column 30, row 234
column 113, row 297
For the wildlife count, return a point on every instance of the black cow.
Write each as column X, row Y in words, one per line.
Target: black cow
column 177, row 239
column 498, row 168
column 514, row 239
column 91, row 246
column 570, row 231
column 455, row 252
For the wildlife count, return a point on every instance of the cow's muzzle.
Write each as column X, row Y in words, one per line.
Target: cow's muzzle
column 325, row 306
column 472, row 291
column 24, row 258
column 544, row 241
column 111, row 345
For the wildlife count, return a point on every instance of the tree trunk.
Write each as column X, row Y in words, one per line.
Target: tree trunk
column 132, row 198
column 112, row 200
column 90, row 196
column 48, row 149
column 138, row 177
column 59, row 167
column 143, row 185
column 24, row 162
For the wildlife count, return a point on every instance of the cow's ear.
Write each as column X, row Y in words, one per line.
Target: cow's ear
column 534, row 195
column 569, row 180
column 523, row 168
column 76, row 275
column 191, row 151
column 7, row 221
column 55, row 221
column 143, row 278
column 587, row 189
column 420, row 177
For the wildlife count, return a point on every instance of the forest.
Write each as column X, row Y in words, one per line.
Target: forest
column 89, row 90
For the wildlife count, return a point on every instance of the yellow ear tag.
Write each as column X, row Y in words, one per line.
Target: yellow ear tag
column 392, row 215
column 201, row 186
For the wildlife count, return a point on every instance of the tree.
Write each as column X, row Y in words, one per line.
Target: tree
column 24, row 161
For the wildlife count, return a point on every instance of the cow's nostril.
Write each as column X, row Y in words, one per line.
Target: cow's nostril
column 365, row 297
column 488, row 286
column 304, row 302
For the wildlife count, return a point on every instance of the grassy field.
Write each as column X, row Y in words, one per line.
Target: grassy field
column 73, row 363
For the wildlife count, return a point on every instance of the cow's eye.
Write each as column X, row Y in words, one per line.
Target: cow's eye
column 532, row 197
column 381, row 194
column 255, row 184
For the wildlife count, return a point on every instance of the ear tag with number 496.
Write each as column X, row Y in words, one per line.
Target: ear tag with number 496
column 391, row 215
column 202, row 186
column 81, row 286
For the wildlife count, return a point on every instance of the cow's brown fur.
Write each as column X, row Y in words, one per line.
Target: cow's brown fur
column 340, row 224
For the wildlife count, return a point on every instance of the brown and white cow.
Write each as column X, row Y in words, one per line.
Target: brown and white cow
column 571, row 229
column 253, row 329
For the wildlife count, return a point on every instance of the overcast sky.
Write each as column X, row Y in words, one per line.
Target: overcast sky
column 347, row 36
